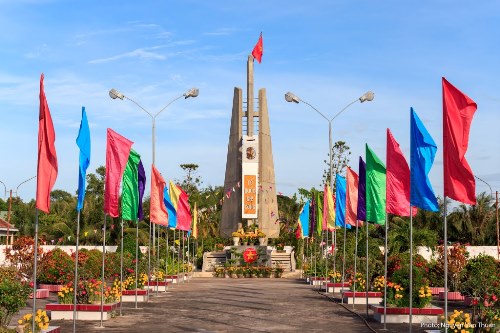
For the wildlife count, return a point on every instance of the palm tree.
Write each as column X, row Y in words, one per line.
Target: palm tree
column 399, row 236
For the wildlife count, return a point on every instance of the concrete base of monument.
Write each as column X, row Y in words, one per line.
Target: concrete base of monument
column 428, row 315
column 359, row 297
column 128, row 296
column 335, row 287
column 83, row 311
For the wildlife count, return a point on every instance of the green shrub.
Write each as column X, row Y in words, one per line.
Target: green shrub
column 13, row 294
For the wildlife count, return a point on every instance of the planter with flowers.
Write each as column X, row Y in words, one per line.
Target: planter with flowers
column 89, row 296
column 398, row 297
column 24, row 325
column 129, row 291
column 157, row 282
column 358, row 294
column 56, row 269
column 334, row 283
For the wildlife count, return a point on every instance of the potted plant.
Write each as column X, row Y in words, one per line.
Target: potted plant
column 262, row 238
column 236, row 238
column 278, row 271
column 280, row 247
column 41, row 322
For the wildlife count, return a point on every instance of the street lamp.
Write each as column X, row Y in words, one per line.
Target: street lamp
column 366, row 97
column 114, row 94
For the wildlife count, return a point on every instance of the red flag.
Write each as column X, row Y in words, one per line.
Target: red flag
column 258, row 49
column 398, row 180
column 157, row 210
column 298, row 232
column 458, row 110
column 351, row 203
column 183, row 213
column 117, row 151
column 47, row 157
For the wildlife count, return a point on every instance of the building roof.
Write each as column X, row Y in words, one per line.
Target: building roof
column 4, row 225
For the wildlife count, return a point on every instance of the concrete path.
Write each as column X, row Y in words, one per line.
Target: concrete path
column 237, row 305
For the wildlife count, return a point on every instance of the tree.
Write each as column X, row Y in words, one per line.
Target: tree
column 340, row 159
column 191, row 182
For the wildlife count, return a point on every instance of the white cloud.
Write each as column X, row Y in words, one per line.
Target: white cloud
column 142, row 54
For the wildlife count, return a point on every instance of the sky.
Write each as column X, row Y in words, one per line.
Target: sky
column 326, row 52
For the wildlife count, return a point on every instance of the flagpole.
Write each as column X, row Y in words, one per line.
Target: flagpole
column 355, row 261
column 173, row 260
column 157, row 270
column 307, row 256
column 102, row 271
column 343, row 262
column 137, row 259
column 445, row 236
column 411, row 268
column 386, row 251
column 326, row 259
column 35, row 252
column 335, row 250
column 179, row 257
column 189, row 263
column 183, row 253
column 149, row 255
column 366, row 282
column 166, row 257
column 75, row 286
column 121, row 266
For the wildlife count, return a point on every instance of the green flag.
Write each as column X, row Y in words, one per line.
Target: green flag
column 319, row 213
column 130, row 190
column 375, row 188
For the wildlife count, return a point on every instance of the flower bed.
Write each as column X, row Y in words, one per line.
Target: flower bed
column 40, row 293
column 395, row 315
column 83, row 311
column 359, row 297
column 332, row 287
column 157, row 285
column 129, row 295
column 53, row 288
column 452, row 296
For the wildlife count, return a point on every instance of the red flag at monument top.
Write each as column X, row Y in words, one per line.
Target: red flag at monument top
column 458, row 110
column 47, row 157
column 258, row 50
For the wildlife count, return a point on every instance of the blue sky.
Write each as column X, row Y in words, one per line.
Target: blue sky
column 327, row 52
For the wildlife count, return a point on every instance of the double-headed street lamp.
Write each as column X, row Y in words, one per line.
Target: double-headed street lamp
column 114, row 94
column 366, row 97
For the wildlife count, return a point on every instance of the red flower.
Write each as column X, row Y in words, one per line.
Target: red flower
column 250, row 255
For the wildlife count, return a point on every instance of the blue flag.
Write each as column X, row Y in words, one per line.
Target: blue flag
column 422, row 152
column 304, row 219
column 340, row 194
column 83, row 142
column 172, row 213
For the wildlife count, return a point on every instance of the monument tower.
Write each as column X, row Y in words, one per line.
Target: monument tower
column 249, row 166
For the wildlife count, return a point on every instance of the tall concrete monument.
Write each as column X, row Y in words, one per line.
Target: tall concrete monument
column 249, row 179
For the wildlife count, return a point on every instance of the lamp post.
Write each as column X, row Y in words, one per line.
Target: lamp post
column 5, row 189
column 114, row 94
column 366, row 97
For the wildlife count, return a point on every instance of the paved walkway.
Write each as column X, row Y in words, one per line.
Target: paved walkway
column 237, row 305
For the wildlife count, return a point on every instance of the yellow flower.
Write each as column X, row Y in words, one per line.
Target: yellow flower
column 19, row 321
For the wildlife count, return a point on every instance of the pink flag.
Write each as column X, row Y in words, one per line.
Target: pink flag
column 183, row 211
column 351, row 205
column 157, row 210
column 117, row 151
column 47, row 157
column 458, row 110
column 398, row 180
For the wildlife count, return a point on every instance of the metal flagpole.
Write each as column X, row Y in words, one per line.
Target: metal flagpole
column 173, row 260
column 121, row 266
column 149, row 256
column 166, row 257
column 189, row 262
column 315, row 265
column 307, row 256
column 445, row 235
column 182, row 257
column 35, row 252
column 343, row 262
column 179, row 258
column 157, row 266
column 411, row 269
column 102, row 271
column 386, row 250
column 137, row 259
column 75, row 286
column 366, row 282
column 355, row 266
column 335, row 250
column 326, row 264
